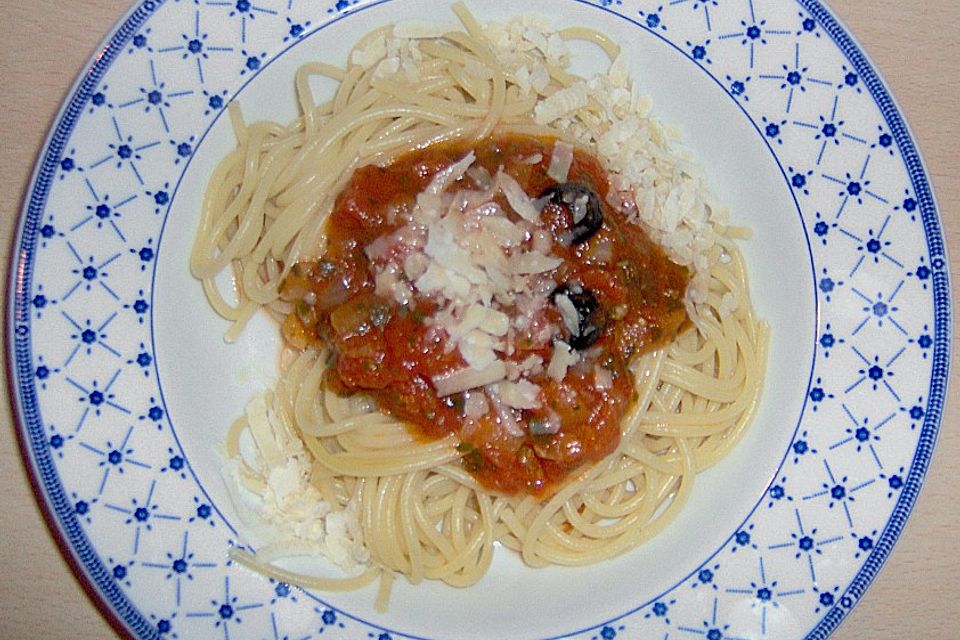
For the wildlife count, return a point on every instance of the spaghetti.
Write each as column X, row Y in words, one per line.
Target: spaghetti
column 368, row 492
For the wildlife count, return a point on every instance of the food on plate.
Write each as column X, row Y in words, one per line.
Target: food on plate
column 512, row 313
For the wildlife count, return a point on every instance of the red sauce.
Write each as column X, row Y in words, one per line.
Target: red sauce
column 388, row 351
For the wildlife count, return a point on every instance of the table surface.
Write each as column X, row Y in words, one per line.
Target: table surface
column 45, row 43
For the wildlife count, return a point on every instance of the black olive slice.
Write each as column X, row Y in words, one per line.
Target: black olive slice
column 583, row 205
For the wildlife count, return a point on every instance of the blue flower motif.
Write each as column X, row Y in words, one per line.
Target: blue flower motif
column 142, row 359
column 821, row 228
column 282, row 591
column 102, row 213
column 57, row 441
column 828, row 286
column 296, row 30
column 915, row 412
column 778, row 492
column 202, row 512
column 653, row 20
column 226, row 611
column 850, row 80
column 738, row 87
column 922, row 273
column 47, row 232
column 883, row 141
column 817, row 393
column 862, row 435
column 165, row 625
column 876, row 373
column 328, row 618
column 773, row 129
column 908, row 205
column 83, row 507
column 800, row 179
column 43, row 371
column 894, row 481
column 808, row 26
column 826, row 598
column 153, row 413
column 839, row 492
column 802, row 447
column 160, row 198
column 342, row 5
column 660, row 610
column 145, row 254
column 87, row 335
column 176, row 464
column 69, row 165
column 96, row 399
column 706, row 577
column 183, row 148
column 114, row 458
column 139, row 306
column 252, row 61
column 99, row 100
column 214, row 101
column 881, row 310
column 699, row 52
column 865, row 543
column 41, row 302
column 141, row 42
column 793, row 78
column 923, row 341
column 120, row 571
column 743, row 539
column 124, row 151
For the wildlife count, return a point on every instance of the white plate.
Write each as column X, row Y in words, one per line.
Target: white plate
column 124, row 386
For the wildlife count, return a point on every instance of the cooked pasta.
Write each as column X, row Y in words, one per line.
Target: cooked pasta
column 416, row 509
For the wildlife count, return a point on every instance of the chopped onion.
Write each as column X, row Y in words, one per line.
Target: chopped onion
column 602, row 378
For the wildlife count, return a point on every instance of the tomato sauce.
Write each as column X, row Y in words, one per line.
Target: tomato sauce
column 390, row 352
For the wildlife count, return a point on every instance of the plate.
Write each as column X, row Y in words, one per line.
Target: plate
column 124, row 387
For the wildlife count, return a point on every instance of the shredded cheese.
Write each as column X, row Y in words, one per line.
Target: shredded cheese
column 560, row 161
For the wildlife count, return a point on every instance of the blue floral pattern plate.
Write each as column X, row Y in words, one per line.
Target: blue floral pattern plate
column 123, row 387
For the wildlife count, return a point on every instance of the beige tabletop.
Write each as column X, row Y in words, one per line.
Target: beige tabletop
column 45, row 43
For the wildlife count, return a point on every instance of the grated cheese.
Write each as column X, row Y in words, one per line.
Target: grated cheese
column 521, row 394
column 563, row 358
column 468, row 378
column 571, row 318
column 560, row 161
column 517, row 197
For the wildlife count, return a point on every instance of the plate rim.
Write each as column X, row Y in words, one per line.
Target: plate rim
column 85, row 565
column 881, row 95
column 49, row 493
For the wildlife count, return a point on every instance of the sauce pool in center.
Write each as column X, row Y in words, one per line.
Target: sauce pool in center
column 486, row 289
